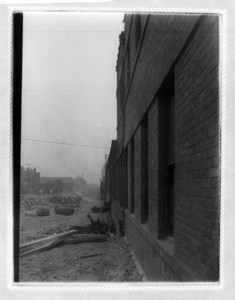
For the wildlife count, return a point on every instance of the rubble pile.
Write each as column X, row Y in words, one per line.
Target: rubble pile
column 73, row 199
column 32, row 202
column 65, row 211
column 71, row 248
column 105, row 207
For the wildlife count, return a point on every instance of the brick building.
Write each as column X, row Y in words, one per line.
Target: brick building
column 57, row 184
column 29, row 180
column 162, row 176
column 79, row 184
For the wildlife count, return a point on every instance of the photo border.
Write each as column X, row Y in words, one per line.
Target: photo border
column 86, row 286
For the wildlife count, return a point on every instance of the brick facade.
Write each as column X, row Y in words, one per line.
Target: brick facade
column 166, row 165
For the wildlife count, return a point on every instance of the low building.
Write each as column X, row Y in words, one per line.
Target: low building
column 80, row 184
column 163, row 177
column 29, row 180
column 57, row 184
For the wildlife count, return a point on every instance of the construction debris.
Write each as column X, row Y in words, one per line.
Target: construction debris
column 95, row 209
column 32, row 202
column 64, row 238
column 43, row 212
column 101, row 227
column 90, row 253
column 44, row 243
column 96, row 227
column 105, row 207
column 72, row 199
column 65, row 211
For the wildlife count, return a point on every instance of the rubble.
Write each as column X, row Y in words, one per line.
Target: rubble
column 105, row 207
column 72, row 199
column 93, row 243
column 65, row 211
column 96, row 227
column 32, row 202
column 95, row 209
column 43, row 212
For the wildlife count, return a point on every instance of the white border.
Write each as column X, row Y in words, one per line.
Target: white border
column 145, row 286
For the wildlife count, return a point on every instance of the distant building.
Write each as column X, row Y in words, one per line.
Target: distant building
column 162, row 175
column 29, row 180
column 57, row 184
column 80, row 184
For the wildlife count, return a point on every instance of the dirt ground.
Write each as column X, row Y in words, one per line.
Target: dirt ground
column 111, row 260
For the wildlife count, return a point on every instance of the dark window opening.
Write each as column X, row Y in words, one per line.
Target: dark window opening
column 167, row 156
column 170, row 200
column 132, row 176
column 144, row 169
column 118, row 182
column 170, row 164
column 137, row 30
column 125, row 179
column 122, row 93
column 121, row 180
column 128, row 65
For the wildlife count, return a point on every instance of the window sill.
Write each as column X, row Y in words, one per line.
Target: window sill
column 168, row 244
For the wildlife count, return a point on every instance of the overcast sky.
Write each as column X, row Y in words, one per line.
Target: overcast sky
column 69, row 91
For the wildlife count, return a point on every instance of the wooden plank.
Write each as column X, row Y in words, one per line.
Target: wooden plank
column 48, row 238
column 44, row 245
column 63, row 240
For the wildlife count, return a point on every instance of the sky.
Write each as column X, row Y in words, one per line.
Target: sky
column 69, row 91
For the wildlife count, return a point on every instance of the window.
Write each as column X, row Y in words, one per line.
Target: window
column 128, row 62
column 132, row 176
column 125, row 183
column 170, row 165
column 144, row 169
column 119, row 181
column 166, row 153
column 137, row 30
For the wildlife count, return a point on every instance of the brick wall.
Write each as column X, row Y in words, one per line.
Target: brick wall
column 137, row 162
column 150, row 63
column 190, row 51
column 197, row 150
